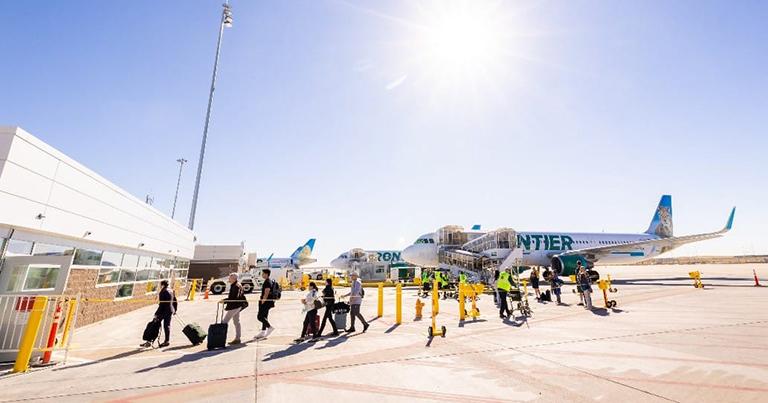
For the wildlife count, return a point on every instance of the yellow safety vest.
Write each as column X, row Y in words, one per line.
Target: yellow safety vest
column 503, row 282
column 462, row 278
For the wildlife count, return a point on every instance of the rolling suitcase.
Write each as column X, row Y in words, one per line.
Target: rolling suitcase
column 217, row 333
column 193, row 331
column 152, row 331
column 340, row 311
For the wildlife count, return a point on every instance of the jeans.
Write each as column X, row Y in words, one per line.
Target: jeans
column 588, row 299
column 234, row 316
column 503, row 306
column 355, row 313
column 327, row 316
column 263, row 314
column 309, row 323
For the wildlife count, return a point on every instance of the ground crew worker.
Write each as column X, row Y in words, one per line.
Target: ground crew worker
column 503, row 286
column 443, row 280
column 462, row 278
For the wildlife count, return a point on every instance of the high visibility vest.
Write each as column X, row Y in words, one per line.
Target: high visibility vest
column 462, row 278
column 443, row 279
column 503, row 282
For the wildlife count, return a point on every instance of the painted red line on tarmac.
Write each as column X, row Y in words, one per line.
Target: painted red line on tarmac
column 391, row 391
column 659, row 381
column 179, row 389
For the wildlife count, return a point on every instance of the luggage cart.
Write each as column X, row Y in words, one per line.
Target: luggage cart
column 518, row 297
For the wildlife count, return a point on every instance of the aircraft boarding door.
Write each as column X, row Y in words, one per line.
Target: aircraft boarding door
column 34, row 275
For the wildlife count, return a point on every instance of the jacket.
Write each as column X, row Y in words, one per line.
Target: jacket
column 309, row 300
column 328, row 297
column 167, row 303
column 503, row 282
column 236, row 297
column 584, row 282
column 356, row 293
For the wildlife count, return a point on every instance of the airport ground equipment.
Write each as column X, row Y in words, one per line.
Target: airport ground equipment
column 419, row 307
column 517, row 296
column 471, row 292
column 433, row 330
column 605, row 286
column 30, row 334
column 696, row 276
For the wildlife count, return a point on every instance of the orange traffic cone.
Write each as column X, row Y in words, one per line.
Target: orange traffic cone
column 757, row 282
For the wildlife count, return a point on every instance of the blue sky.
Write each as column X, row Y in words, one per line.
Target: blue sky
column 367, row 124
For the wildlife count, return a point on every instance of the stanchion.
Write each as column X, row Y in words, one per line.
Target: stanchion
column 30, row 334
column 68, row 319
column 605, row 286
column 399, row 304
column 381, row 300
column 52, row 335
column 462, row 310
column 193, row 290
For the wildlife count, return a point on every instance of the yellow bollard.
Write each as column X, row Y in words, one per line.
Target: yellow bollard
column 462, row 311
column 433, row 330
column 193, row 290
column 435, row 297
column 399, row 304
column 419, row 306
column 30, row 334
column 381, row 300
column 68, row 321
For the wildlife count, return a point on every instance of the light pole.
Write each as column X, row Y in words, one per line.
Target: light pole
column 181, row 162
column 226, row 21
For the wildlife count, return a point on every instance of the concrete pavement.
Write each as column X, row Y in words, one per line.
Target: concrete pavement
column 666, row 341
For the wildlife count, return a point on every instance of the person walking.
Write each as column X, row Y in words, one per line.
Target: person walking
column 535, row 283
column 356, row 295
column 556, row 285
column 166, row 308
column 503, row 286
column 310, row 310
column 234, row 303
column 265, row 304
column 585, row 284
column 329, row 299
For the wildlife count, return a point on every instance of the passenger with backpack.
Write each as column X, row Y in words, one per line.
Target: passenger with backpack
column 356, row 294
column 234, row 303
column 329, row 300
column 166, row 308
column 270, row 292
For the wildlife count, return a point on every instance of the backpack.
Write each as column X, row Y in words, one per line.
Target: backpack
column 275, row 292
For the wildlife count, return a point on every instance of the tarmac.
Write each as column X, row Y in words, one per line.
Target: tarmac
column 665, row 341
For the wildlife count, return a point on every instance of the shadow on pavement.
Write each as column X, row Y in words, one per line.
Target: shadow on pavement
column 291, row 350
column 468, row 322
column 392, row 328
column 191, row 358
column 105, row 359
column 336, row 341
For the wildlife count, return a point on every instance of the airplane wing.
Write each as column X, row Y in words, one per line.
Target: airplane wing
column 663, row 244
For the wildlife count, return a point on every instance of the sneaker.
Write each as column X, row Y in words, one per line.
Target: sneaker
column 235, row 341
column 351, row 330
column 145, row 344
column 269, row 331
column 261, row 334
column 365, row 327
column 299, row 340
column 165, row 344
column 335, row 333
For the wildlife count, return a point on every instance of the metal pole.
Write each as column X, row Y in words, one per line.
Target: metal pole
column 181, row 162
column 225, row 17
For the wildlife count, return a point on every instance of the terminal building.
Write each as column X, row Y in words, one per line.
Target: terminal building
column 65, row 230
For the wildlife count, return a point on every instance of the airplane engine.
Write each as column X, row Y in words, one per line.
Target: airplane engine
column 566, row 265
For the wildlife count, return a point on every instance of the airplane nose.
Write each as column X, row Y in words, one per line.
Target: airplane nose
column 336, row 263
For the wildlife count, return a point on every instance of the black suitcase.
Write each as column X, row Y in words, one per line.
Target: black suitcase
column 152, row 331
column 193, row 331
column 217, row 333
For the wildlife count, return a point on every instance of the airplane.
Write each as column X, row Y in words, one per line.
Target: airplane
column 561, row 251
column 300, row 257
column 357, row 255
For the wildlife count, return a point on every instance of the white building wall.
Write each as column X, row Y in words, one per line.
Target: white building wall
column 36, row 179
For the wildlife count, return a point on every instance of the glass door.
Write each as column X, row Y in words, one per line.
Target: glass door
column 34, row 274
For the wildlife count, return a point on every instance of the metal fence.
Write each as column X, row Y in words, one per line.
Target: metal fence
column 35, row 325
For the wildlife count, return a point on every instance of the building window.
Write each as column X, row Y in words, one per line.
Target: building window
column 130, row 261
column 127, row 274
column 112, row 259
column 143, row 275
column 108, row 275
column 87, row 257
column 44, row 249
column 124, row 291
column 145, row 262
column 18, row 247
column 40, row 277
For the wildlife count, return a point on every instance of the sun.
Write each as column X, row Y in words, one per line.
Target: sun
column 462, row 41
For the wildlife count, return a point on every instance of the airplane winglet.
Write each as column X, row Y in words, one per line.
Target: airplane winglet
column 729, row 225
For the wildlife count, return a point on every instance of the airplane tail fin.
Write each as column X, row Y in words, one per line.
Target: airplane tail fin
column 661, row 224
column 304, row 251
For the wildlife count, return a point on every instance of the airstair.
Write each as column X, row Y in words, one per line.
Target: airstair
column 477, row 254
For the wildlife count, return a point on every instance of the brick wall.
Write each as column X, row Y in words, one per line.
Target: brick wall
column 102, row 304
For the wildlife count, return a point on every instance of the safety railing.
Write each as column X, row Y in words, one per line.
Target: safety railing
column 33, row 326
